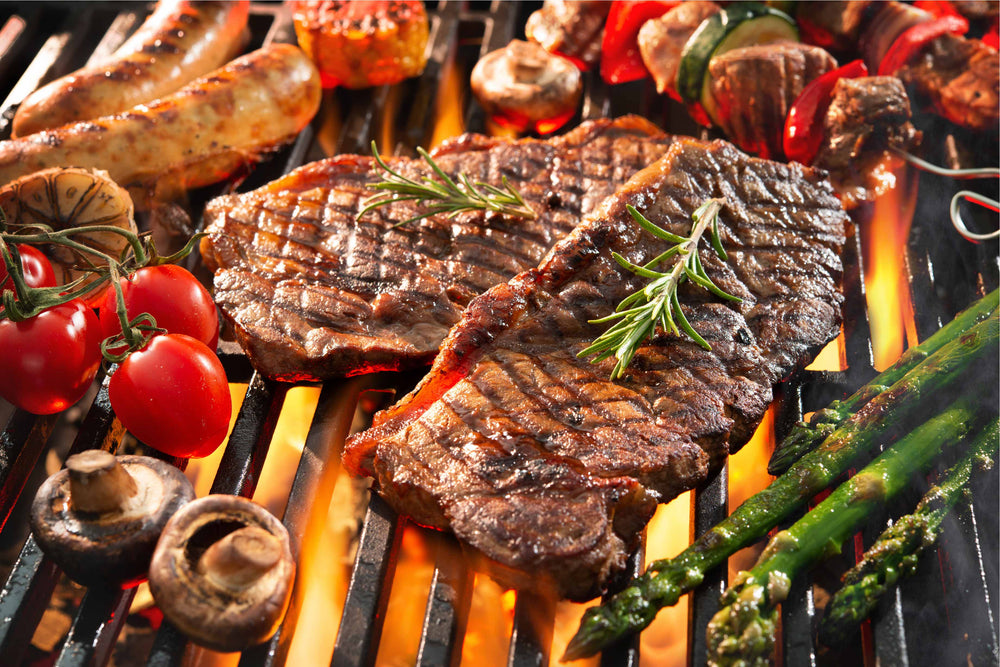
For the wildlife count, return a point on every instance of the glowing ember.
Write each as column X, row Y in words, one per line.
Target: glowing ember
column 884, row 241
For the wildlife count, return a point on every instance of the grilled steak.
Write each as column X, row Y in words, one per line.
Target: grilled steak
column 314, row 293
column 533, row 457
column 754, row 87
column 867, row 117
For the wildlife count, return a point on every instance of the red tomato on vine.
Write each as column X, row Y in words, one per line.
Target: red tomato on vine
column 49, row 360
column 37, row 269
column 172, row 295
column 173, row 395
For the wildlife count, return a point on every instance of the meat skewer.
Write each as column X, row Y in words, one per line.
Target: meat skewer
column 958, row 77
column 743, row 70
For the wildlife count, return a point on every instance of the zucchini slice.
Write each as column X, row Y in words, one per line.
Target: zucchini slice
column 740, row 24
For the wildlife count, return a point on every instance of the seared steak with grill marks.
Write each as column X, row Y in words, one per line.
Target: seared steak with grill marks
column 540, row 463
column 314, row 293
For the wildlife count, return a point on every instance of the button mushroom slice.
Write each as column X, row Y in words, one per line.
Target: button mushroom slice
column 100, row 517
column 223, row 572
column 525, row 87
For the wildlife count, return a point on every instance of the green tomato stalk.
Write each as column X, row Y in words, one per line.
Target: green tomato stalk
column 26, row 301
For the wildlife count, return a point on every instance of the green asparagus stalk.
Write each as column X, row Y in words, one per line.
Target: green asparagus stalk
column 806, row 436
column 665, row 581
column 897, row 550
column 742, row 632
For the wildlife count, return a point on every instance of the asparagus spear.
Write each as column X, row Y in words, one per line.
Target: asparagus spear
column 806, row 436
column 665, row 581
column 894, row 555
column 742, row 632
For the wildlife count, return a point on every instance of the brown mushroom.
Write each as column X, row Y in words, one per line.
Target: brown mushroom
column 525, row 87
column 100, row 517
column 222, row 572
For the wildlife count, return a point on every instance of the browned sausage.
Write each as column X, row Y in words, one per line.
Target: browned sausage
column 199, row 135
column 180, row 41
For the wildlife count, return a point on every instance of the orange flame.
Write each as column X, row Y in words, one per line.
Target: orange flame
column 747, row 476
column 884, row 240
column 448, row 106
column 664, row 642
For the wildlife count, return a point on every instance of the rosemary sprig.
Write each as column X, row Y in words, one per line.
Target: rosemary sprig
column 657, row 304
column 443, row 194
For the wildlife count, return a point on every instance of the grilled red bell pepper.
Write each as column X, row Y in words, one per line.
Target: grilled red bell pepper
column 621, row 61
column 914, row 39
column 992, row 35
column 937, row 7
column 804, row 123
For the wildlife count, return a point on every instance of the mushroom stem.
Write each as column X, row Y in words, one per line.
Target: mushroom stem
column 98, row 482
column 240, row 558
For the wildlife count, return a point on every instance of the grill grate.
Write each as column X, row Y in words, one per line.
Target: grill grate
column 949, row 607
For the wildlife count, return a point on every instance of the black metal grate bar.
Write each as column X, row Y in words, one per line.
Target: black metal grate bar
column 447, row 606
column 368, row 593
column 92, row 637
column 21, row 444
column 244, row 457
column 531, row 639
column 710, row 505
column 311, row 488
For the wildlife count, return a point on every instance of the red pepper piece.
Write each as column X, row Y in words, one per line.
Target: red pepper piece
column 914, row 39
column 937, row 7
column 621, row 61
column 992, row 35
column 804, row 124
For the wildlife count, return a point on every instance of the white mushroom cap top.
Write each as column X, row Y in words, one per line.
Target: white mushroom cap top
column 527, row 84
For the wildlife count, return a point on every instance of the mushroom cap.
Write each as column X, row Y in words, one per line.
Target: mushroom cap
column 110, row 547
column 220, row 617
column 526, row 84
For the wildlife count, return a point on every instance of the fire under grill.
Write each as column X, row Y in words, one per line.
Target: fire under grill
column 946, row 614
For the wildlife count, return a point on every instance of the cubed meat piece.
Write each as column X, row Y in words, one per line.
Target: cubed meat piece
column 753, row 88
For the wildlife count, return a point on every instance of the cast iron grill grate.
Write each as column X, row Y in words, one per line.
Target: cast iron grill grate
column 945, row 614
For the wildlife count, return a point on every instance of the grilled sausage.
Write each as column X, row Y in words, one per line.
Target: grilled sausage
column 199, row 135
column 179, row 42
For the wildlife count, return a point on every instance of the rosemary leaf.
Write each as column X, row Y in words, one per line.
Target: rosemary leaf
column 658, row 303
column 442, row 195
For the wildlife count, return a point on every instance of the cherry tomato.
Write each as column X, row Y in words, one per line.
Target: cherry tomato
column 35, row 266
column 173, row 296
column 49, row 360
column 173, row 395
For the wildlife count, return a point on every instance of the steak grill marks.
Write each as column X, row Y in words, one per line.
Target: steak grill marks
column 538, row 461
column 313, row 293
